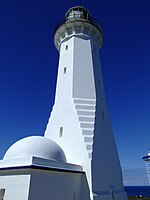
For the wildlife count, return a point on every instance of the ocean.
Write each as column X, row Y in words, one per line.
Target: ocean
column 143, row 191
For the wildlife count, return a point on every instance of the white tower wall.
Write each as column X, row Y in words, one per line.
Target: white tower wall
column 64, row 114
column 79, row 121
column 83, row 74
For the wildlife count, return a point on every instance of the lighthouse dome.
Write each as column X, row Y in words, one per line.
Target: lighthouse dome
column 36, row 146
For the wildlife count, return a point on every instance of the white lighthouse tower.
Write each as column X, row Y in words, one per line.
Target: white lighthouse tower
column 147, row 161
column 79, row 121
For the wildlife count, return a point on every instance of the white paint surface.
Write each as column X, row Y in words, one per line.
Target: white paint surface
column 35, row 146
column 80, row 108
column 44, row 179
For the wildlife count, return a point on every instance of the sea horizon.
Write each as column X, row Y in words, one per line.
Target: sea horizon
column 143, row 191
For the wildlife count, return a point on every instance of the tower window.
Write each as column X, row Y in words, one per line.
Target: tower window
column 103, row 114
column 69, row 31
column 66, row 48
column 74, row 195
column 61, row 132
column 78, row 29
column 65, row 69
column 2, row 193
column 63, row 35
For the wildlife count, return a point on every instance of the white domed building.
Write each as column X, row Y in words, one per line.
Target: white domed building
column 35, row 168
column 77, row 158
column 36, row 146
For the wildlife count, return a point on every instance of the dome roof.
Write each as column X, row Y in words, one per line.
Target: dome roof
column 37, row 146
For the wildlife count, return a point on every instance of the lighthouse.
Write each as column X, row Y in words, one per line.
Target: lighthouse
column 76, row 159
column 147, row 161
column 79, row 121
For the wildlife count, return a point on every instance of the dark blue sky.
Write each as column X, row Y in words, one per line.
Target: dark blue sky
column 29, row 61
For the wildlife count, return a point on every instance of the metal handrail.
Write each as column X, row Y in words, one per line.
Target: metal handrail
column 90, row 19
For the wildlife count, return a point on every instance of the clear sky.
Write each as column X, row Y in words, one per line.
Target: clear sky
column 29, row 61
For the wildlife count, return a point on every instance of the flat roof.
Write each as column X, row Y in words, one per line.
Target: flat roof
column 39, row 163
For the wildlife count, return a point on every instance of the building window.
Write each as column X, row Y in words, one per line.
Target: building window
column 2, row 193
column 74, row 195
column 66, row 48
column 65, row 69
column 78, row 29
column 103, row 114
column 61, row 132
column 69, row 31
column 113, row 195
column 63, row 35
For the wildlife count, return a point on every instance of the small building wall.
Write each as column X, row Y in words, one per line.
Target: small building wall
column 16, row 185
column 42, row 183
column 56, row 185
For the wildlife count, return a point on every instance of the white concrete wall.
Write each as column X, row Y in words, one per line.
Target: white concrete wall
column 80, row 108
column 44, row 184
column 45, row 179
column 16, row 185
column 64, row 112
column 48, row 185
column 83, row 74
